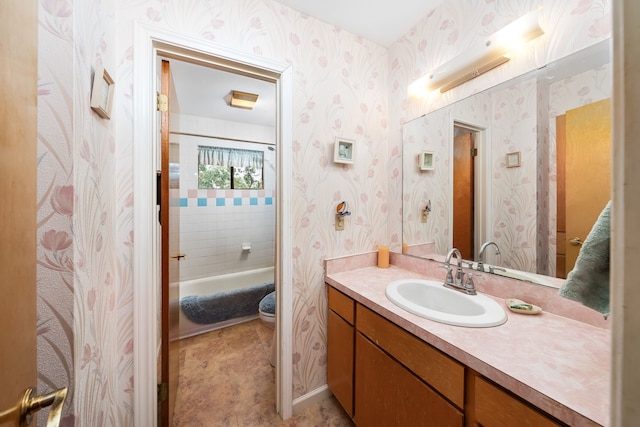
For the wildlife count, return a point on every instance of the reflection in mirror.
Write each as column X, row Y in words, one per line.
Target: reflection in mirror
column 524, row 164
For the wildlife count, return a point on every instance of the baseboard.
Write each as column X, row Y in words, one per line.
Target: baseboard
column 311, row 398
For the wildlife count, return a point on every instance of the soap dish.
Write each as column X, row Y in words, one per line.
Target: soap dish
column 519, row 306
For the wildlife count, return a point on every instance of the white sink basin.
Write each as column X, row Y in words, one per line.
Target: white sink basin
column 431, row 300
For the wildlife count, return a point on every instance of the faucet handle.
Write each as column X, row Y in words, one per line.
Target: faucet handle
column 449, row 278
column 470, row 286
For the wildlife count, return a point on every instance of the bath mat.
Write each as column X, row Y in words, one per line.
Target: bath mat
column 221, row 306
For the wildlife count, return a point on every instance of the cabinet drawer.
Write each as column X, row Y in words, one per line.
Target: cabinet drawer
column 341, row 304
column 494, row 407
column 432, row 366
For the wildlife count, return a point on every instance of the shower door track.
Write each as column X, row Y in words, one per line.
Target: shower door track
column 222, row 138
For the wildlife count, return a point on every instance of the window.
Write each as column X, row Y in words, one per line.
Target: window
column 230, row 168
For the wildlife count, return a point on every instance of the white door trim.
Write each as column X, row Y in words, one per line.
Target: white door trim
column 148, row 41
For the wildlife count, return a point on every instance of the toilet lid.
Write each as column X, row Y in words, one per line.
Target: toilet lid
column 268, row 304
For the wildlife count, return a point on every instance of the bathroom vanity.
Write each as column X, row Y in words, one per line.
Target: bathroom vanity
column 389, row 367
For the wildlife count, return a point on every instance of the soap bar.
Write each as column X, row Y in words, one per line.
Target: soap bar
column 383, row 256
column 519, row 306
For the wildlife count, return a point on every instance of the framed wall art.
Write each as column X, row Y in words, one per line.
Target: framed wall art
column 513, row 159
column 102, row 93
column 425, row 160
column 344, row 151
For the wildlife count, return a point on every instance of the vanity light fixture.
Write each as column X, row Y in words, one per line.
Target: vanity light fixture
column 484, row 55
column 243, row 99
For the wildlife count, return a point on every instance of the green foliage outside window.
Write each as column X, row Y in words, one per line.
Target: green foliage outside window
column 219, row 177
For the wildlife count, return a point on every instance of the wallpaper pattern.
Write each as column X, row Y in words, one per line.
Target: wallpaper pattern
column 55, row 250
column 343, row 85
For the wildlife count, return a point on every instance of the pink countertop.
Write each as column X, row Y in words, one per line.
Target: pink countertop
column 556, row 363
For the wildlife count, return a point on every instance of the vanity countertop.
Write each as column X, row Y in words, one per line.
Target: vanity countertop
column 556, row 363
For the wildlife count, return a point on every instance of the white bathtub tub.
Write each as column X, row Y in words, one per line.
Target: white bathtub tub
column 223, row 283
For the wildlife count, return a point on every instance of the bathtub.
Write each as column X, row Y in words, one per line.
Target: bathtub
column 214, row 284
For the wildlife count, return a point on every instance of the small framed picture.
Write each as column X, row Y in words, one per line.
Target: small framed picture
column 513, row 159
column 425, row 160
column 102, row 93
column 344, row 151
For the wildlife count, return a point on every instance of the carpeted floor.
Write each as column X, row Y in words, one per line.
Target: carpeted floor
column 226, row 380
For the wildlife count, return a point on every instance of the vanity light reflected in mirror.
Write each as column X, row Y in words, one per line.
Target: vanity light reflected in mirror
column 525, row 174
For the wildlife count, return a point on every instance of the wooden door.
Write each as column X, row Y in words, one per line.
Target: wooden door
column 18, row 138
column 588, row 171
column 170, row 258
column 463, row 195
column 340, row 360
column 18, row 124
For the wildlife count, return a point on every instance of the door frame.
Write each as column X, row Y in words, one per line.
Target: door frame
column 482, row 176
column 149, row 42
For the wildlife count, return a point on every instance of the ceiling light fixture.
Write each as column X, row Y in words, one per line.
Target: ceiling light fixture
column 243, row 100
column 486, row 54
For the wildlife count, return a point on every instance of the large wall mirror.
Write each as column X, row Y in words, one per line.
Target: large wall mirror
column 517, row 174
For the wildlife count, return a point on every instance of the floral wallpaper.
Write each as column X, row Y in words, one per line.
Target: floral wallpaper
column 343, row 86
column 513, row 197
column 55, row 269
column 84, row 261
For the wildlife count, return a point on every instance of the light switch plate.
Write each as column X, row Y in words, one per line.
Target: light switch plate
column 339, row 223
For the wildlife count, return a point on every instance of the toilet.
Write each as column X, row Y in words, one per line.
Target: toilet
column 267, row 310
column 267, row 313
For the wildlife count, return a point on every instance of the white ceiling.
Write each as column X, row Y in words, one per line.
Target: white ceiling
column 203, row 91
column 381, row 21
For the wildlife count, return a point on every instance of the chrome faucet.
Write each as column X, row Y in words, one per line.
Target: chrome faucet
column 484, row 246
column 457, row 283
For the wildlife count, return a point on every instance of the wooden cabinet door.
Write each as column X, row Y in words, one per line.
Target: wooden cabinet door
column 494, row 407
column 421, row 406
column 340, row 360
column 388, row 394
column 375, row 403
